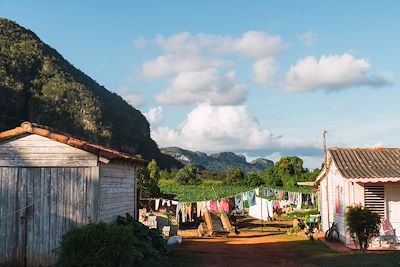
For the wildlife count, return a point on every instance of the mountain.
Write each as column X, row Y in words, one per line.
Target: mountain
column 37, row 84
column 219, row 162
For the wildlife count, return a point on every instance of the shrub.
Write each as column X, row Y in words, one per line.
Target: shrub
column 125, row 243
column 363, row 225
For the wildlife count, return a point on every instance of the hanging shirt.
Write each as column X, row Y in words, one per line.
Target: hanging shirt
column 213, row 205
column 157, row 204
column 251, row 198
column 224, row 204
column 238, row 205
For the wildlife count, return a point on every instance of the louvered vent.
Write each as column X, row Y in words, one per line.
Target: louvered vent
column 375, row 198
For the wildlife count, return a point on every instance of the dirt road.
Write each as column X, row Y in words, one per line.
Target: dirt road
column 273, row 250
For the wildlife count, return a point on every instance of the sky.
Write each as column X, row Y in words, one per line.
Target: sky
column 259, row 78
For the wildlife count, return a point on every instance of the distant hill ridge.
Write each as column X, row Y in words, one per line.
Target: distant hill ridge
column 37, row 84
column 219, row 162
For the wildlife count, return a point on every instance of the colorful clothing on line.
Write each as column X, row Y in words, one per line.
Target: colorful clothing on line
column 213, row 205
column 224, row 205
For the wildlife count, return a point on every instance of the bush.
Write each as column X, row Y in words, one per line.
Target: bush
column 125, row 243
column 363, row 225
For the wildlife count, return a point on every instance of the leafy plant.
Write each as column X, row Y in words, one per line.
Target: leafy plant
column 363, row 225
column 125, row 243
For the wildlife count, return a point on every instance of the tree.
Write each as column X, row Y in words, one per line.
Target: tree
column 188, row 175
column 252, row 179
column 363, row 225
column 148, row 180
column 233, row 176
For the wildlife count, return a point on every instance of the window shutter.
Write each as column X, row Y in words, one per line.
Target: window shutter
column 374, row 197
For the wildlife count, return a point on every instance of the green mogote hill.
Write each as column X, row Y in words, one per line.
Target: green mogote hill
column 37, row 84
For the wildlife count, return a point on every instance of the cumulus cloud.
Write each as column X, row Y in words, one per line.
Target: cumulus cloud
column 307, row 38
column 170, row 64
column 186, row 52
column 155, row 116
column 204, row 86
column 228, row 128
column 253, row 44
column 331, row 73
column 264, row 71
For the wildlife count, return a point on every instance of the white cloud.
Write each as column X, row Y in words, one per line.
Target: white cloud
column 253, row 44
column 264, row 71
column 307, row 38
column 185, row 52
column 331, row 73
column 155, row 116
column 228, row 128
column 170, row 64
column 204, row 86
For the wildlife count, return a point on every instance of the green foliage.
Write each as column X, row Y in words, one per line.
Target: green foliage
column 37, row 84
column 363, row 225
column 233, row 176
column 201, row 192
column 126, row 243
column 147, row 180
column 287, row 172
column 188, row 175
column 252, row 180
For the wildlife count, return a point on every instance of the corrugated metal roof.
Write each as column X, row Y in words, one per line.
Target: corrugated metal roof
column 33, row 128
column 358, row 163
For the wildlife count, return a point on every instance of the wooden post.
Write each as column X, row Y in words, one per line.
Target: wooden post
column 326, row 176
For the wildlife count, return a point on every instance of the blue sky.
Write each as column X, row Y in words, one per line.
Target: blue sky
column 263, row 78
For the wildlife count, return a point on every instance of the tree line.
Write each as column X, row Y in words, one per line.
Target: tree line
column 284, row 174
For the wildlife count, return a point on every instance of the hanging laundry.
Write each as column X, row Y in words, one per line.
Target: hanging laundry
column 200, row 206
column 251, row 198
column 238, row 205
column 180, row 207
column 224, row 204
column 188, row 211
column 213, row 205
column 157, row 204
column 173, row 202
column 270, row 208
column 276, row 205
column 260, row 209
column 257, row 190
column 299, row 201
column 232, row 203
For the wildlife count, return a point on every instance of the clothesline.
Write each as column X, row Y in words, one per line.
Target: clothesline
column 230, row 196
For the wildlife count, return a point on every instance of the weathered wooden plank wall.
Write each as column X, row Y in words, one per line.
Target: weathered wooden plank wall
column 38, row 151
column 50, row 202
column 117, row 191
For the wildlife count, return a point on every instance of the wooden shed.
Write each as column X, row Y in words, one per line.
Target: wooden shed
column 51, row 182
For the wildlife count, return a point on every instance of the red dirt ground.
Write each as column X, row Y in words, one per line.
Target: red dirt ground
column 247, row 251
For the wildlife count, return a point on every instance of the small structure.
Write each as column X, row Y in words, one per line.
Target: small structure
column 360, row 176
column 51, row 182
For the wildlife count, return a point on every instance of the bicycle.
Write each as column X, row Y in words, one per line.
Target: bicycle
column 332, row 234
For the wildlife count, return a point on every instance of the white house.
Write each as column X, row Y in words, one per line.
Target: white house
column 366, row 176
column 51, row 182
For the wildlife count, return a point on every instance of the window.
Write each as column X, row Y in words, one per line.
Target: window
column 374, row 197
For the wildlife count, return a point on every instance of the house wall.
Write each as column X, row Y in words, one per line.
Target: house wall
column 334, row 201
column 117, row 191
column 46, row 188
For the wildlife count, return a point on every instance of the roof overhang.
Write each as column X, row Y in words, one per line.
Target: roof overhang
column 375, row 180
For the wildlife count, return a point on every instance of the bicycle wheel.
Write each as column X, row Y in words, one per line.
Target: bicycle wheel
column 334, row 235
column 328, row 235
